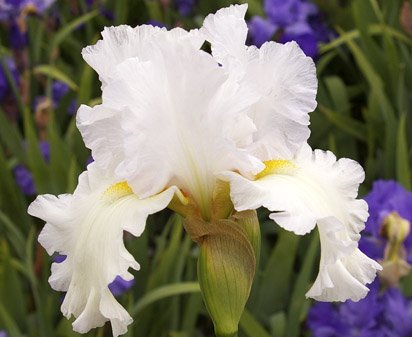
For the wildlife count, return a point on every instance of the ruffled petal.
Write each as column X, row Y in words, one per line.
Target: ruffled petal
column 280, row 74
column 315, row 188
column 101, row 130
column 88, row 228
column 226, row 30
column 123, row 42
column 118, row 44
column 183, row 119
column 285, row 79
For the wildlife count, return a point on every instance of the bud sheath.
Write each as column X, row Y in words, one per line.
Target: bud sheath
column 226, row 267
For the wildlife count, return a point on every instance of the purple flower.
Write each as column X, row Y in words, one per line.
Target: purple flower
column 13, row 8
column 387, row 314
column 156, row 23
column 24, row 180
column 120, row 286
column 71, row 109
column 350, row 319
column 307, row 42
column 386, row 197
column 59, row 90
column 11, row 11
column 17, row 38
column 185, row 7
column 261, row 30
column 24, row 177
column 4, row 83
column 286, row 12
column 3, row 333
column 45, row 150
column 398, row 314
column 294, row 20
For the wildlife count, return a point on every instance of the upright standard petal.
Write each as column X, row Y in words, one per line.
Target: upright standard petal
column 101, row 130
column 280, row 74
column 315, row 188
column 123, row 42
column 285, row 80
column 182, row 120
column 87, row 227
column 226, row 30
column 118, row 44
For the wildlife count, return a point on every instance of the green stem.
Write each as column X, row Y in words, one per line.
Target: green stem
column 226, row 335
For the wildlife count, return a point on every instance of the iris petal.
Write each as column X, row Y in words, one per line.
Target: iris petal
column 317, row 189
column 88, row 228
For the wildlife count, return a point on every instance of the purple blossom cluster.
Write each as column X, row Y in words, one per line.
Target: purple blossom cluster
column 59, row 91
column 386, row 197
column 387, row 314
column 13, row 14
column 290, row 20
column 5, row 89
column 24, row 177
column 22, row 174
column 382, row 313
column 185, row 7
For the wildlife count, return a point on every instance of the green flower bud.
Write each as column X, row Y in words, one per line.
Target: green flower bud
column 226, row 266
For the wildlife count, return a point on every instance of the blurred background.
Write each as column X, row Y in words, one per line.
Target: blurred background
column 363, row 53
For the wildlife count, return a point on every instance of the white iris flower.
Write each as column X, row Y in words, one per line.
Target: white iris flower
column 175, row 121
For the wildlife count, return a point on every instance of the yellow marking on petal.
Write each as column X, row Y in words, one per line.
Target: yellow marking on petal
column 182, row 198
column 118, row 190
column 279, row 166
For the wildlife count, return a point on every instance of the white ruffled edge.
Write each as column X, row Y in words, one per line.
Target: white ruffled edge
column 344, row 269
column 74, row 225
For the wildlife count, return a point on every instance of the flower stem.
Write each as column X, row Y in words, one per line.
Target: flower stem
column 226, row 335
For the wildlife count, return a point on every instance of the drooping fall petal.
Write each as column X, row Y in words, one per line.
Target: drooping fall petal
column 315, row 188
column 87, row 227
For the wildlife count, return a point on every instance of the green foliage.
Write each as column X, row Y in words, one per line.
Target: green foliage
column 364, row 91
column 364, row 112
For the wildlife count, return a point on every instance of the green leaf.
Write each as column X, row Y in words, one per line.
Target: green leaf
column 11, row 137
column 403, row 173
column 167, row 253
column 352, row 35
column 254, row 7
column 12, row 201
column 86, row 84
column 11, row 291
column 67, row 29
column 273, row 290
column 59, row 154
column 35, row 158
column 11, row 326
column 381, row 109
column 297, row 301
column 346, row 123
column 278, row 324
column 338, row 94
column 13, row 233
column 365, row 66
column 164, row 292
column 55, row 73
column 251, row 326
